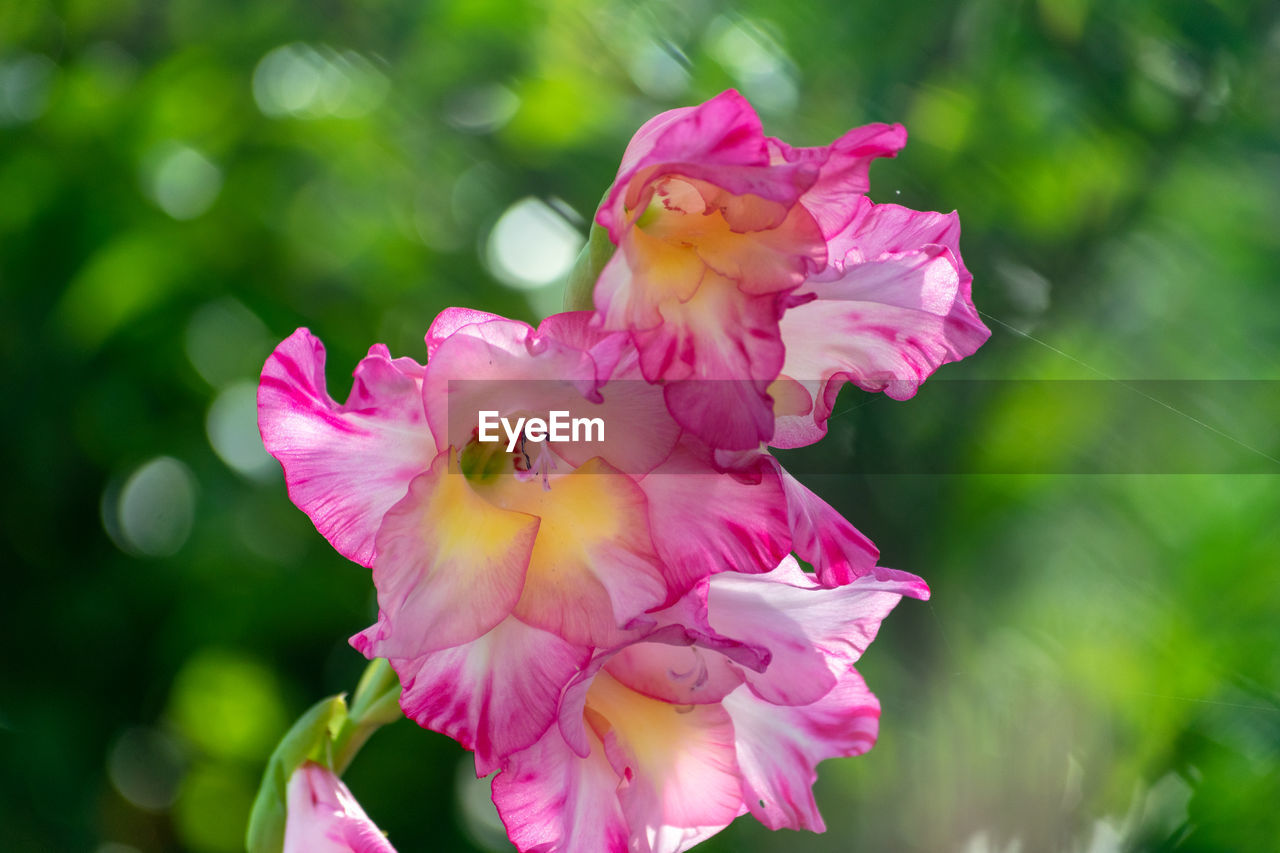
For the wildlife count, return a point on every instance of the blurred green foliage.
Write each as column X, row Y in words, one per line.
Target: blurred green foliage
column 184, row 183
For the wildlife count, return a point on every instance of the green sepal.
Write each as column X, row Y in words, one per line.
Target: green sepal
column 377, row 697
column 580, row 287
column 310, row 738
column 375, row 704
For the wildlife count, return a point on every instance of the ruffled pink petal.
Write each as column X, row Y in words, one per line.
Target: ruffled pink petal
column 501, row 365
column 843, row 170
column 553, row 801
column 345, row 465
column 718, row 353
column 705, row 521
column 812, row 633
column 824, row 538
column 642, row 276
column 724, row 131
column 763, row 246
column 885, row 325
column 495, row 695
column 677, row 763
column 779, row 747
column 325, row 818
column 890, row 229
column 877, row 230
column 593, row 569
column 639, row 431
column 675, row 839
column 450, row 320
column 450, row 565
column 576, row 329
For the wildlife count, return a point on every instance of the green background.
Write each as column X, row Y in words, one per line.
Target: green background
column 184, row 183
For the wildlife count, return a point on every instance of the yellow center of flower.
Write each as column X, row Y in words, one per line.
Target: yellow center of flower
column 651, row 728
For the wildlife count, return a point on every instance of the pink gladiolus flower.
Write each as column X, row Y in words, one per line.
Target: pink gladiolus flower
column 500, row 568
column 324, row 817
column 726, row 707
column 716, row 226
column 755, row 278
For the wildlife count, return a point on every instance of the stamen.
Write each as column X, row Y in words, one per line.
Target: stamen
column 540, row 466
column 701, row 675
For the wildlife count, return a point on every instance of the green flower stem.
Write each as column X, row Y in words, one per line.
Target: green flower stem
column 377, row 696
column 376, row 703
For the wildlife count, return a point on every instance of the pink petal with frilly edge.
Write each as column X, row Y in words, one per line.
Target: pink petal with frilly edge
column 779, row 747
column 495, row 695
column 345, row 465
column 812, row 633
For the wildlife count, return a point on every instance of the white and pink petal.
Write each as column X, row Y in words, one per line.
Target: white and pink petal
column 706, row 520
column 345, row 465
column 495, row 695
column 812, row 633
column 778, row 748
column 884, row 325
column 824, row 538
column 677, row 763
column 450, row 565
column 593, row 569
column 843, row 170
column 554, row 801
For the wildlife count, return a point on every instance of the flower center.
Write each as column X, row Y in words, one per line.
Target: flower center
column 673, row 198
column 483, row 462
column 486, row 463
column 534, row 460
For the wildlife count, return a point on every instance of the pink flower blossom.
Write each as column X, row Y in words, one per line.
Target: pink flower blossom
column 498, row 570
column 325, row 818
column 755, row 278
column 716, row 226
column 725, row 707
column 604, row 619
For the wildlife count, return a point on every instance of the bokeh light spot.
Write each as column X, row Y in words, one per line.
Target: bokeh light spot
column 181, row 181
column 145, row 766
column 213, row 808
column 25, row 81
column 532, row 245
column 226, row 341
column 228, row 705
column 482, row 109
column 747, row 50
column 659, row 69
column 301, row 81
column 155, row 510
column 942, row 117
column 232, row 427
column 122, row 279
